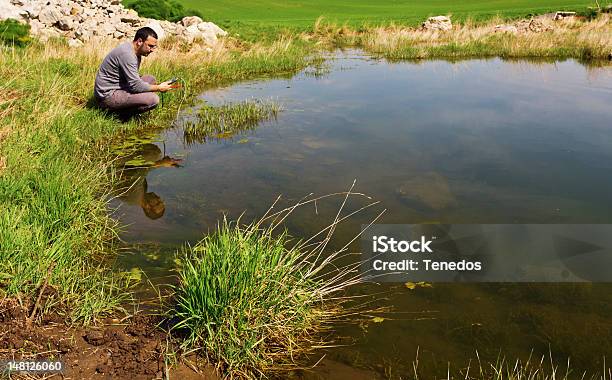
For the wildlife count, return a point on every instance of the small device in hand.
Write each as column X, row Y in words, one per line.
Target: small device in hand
column 173, row 80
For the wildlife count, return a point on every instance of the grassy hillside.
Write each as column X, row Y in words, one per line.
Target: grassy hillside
column 303, row 13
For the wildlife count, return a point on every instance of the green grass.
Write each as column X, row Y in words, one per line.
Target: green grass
column 493, row 47
column 252, row 299
column 244, row 299
column 229, row 119
column 14, row 33
column 301, row 14
column 56, row 170
column 170, row 10
column 52, row 194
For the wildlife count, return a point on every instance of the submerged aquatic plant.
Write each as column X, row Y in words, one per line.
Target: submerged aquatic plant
column 228, row 119
column 252, row 299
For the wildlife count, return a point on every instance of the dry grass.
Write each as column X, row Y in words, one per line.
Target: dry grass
column 4, row 133
column 572, row 38
column 577, row 39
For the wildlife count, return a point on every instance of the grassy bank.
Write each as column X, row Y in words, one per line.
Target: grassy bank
column 540, row 38
column 583, row 40
column 56, row 171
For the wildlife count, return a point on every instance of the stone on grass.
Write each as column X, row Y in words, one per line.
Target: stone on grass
column 156, row 26
column 437, row 23
column 50, row 16
column 8, row 10
column 73, row 42
column 209, row 26
column 191, row 20
column 506, row 29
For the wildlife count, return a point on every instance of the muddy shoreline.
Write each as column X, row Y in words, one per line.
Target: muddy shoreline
column 133, row 348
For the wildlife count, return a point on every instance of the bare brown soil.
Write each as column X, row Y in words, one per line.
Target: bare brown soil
column 134, row 349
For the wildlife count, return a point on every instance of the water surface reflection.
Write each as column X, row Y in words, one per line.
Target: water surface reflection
column 482, row 141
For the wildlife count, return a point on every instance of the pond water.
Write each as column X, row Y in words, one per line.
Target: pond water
column 479, row 141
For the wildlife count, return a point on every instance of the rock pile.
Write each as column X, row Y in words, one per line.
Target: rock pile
column 83, row 20
column 524, row 26
column 560, row 15
column 538, row 24
column 437, row 23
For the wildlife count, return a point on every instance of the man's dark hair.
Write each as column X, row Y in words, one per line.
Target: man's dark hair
column 144, row 33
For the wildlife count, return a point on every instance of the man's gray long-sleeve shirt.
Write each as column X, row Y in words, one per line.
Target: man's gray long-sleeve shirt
column 119, row 70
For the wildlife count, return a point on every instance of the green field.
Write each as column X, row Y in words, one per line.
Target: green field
column 302, row 13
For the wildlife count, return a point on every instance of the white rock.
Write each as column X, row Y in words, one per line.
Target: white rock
column 131, row 17
column 506, row 29
column 191, row 20
column 156, row 26
column 73, row 42
column 65, row 23
column 35, row 27
column 123, row 28
column 437, row 23
column 65, row 9
column 104, row 29
column 49, row 16
column 45, row 33
column 8, row 10
column 191, row 33
column 83, row 34
column 114, row 21
column 32, row 10
column 560, row 15
column 206, row 26
column 209, row 37
column 76, row 10
column 167, row 26
column 179, row 30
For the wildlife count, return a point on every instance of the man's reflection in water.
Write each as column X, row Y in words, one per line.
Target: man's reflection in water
column 134, row 182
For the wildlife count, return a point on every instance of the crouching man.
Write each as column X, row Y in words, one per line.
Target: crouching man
column 119, row 87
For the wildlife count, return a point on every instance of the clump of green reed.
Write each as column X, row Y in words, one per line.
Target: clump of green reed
column 252, row 299
column 229, row 119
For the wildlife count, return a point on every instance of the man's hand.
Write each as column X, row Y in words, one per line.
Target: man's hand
column 162, row 87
